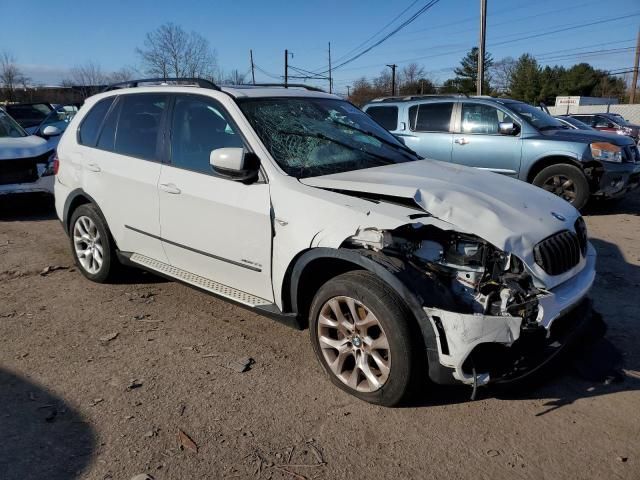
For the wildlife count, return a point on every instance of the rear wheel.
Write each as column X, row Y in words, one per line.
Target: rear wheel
column 91, row 244
column 566, row 181
column 360, row 334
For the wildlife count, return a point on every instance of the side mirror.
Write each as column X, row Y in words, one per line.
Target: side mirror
column 508, row 128
column 235, row 164
column 51, row 131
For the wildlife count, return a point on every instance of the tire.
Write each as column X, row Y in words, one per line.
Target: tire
column 88, row 232
column 379, row 341
column 566, row 181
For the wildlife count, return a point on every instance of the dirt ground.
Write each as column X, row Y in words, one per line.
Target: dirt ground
column 97, row 381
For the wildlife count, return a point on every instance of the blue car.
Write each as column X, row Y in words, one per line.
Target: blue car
column 515, row 139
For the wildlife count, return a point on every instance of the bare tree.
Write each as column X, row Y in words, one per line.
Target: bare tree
column 169, row 51
column 88, row 78
column 123, row 75
column 11, row 77
column 412, row 73
column 235, row 78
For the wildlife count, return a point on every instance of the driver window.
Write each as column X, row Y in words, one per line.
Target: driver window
column 484, row 119
column 602, row 122
column 199, row 126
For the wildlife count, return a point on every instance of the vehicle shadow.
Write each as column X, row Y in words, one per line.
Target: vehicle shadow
column 42, row 436
column 605, row 367
column 629, row 205
column 26, row 206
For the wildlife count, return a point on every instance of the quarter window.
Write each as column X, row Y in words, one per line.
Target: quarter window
column 139, row 125
column 480, row 118
column 88, row 132
column 431, row 117
column 385, row 116
column 199, row 126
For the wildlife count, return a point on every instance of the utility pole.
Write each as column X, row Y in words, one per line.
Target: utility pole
column 253, row 73
column 393, row 78
column 634, row 83
column 481, row 50
column 286, row 68
column 330, row 79
column 348, row 92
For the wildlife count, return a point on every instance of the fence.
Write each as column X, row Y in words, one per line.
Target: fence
column 630, row 112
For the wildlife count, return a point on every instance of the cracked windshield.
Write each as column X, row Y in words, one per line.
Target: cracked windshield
column 310, row 137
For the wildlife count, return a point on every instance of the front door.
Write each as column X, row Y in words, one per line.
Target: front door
column 478, row 142
column 211, row 226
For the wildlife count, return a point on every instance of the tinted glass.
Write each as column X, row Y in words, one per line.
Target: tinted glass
column 603, row 122
column 199, row 126
column 431, row 117
column 139, row 124
column 588, row 119
column 107, row 138
column 385, row 116
column 9, row 127
column 88, row 133
column 479, row 118
column 29, row 115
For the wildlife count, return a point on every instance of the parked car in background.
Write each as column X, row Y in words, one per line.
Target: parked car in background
column 26, row 161
column 574, row 123
column 512, row 138
column 294, row 203
column 35, row 117
column 610, row 122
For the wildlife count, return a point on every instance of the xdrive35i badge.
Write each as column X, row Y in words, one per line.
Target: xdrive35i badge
column 558, row 216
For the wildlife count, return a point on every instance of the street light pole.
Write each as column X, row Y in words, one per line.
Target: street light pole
column 481, row 49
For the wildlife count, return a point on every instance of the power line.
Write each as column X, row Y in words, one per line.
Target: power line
column 410, row 20
column 339, row 59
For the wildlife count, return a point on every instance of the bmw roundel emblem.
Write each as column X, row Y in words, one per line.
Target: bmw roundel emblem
column 558, row 216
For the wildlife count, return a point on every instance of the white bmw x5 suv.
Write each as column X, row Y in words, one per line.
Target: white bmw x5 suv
column 295, row 203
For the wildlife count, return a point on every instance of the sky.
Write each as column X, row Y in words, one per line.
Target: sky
column 47, row 38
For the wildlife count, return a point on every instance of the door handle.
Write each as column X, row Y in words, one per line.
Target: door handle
column 92, row 167
column 461, row 141
column 169, row 188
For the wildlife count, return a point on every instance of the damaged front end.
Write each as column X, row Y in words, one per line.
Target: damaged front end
column 490, row 320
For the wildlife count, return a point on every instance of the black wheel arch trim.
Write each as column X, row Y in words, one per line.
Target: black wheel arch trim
column 78, row 192
column 394, row 272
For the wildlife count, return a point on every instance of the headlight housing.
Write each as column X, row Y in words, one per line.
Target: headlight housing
column 606, row 152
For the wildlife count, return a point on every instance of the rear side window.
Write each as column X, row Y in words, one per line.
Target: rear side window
column 107, row 138
column 139, row 124
column 90, row 127
column 431, row 117
column 385, row 116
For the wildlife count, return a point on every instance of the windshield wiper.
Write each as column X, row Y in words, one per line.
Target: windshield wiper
column 322, row 136
column 397, row 146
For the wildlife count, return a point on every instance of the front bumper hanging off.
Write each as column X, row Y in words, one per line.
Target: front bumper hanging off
column 480, row 349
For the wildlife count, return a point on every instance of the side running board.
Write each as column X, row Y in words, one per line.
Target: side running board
column 200, row 282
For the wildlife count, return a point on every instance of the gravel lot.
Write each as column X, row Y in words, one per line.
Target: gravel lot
column 98, row 381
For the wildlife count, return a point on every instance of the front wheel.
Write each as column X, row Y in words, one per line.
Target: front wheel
column 566, row 181
column 360, row 334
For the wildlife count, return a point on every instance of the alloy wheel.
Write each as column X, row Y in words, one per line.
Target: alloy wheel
column 353, row 344
column 88, row 244
column 562, row 186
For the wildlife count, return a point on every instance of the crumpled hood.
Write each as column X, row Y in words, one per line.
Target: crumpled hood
column 509, row 213
column 22, row 147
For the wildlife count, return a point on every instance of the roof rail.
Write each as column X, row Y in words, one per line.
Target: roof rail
column 200, row 82
column 407, row 98
column 292, row 85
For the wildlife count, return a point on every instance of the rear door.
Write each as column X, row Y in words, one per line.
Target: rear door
column 214, row 227
column 430, row 132
column 478, row 142
column 122, row 169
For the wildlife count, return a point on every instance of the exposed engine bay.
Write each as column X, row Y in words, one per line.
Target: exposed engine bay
column 482, row 279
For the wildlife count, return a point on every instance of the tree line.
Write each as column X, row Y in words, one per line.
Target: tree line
column 522, row 79
column 170, row 51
